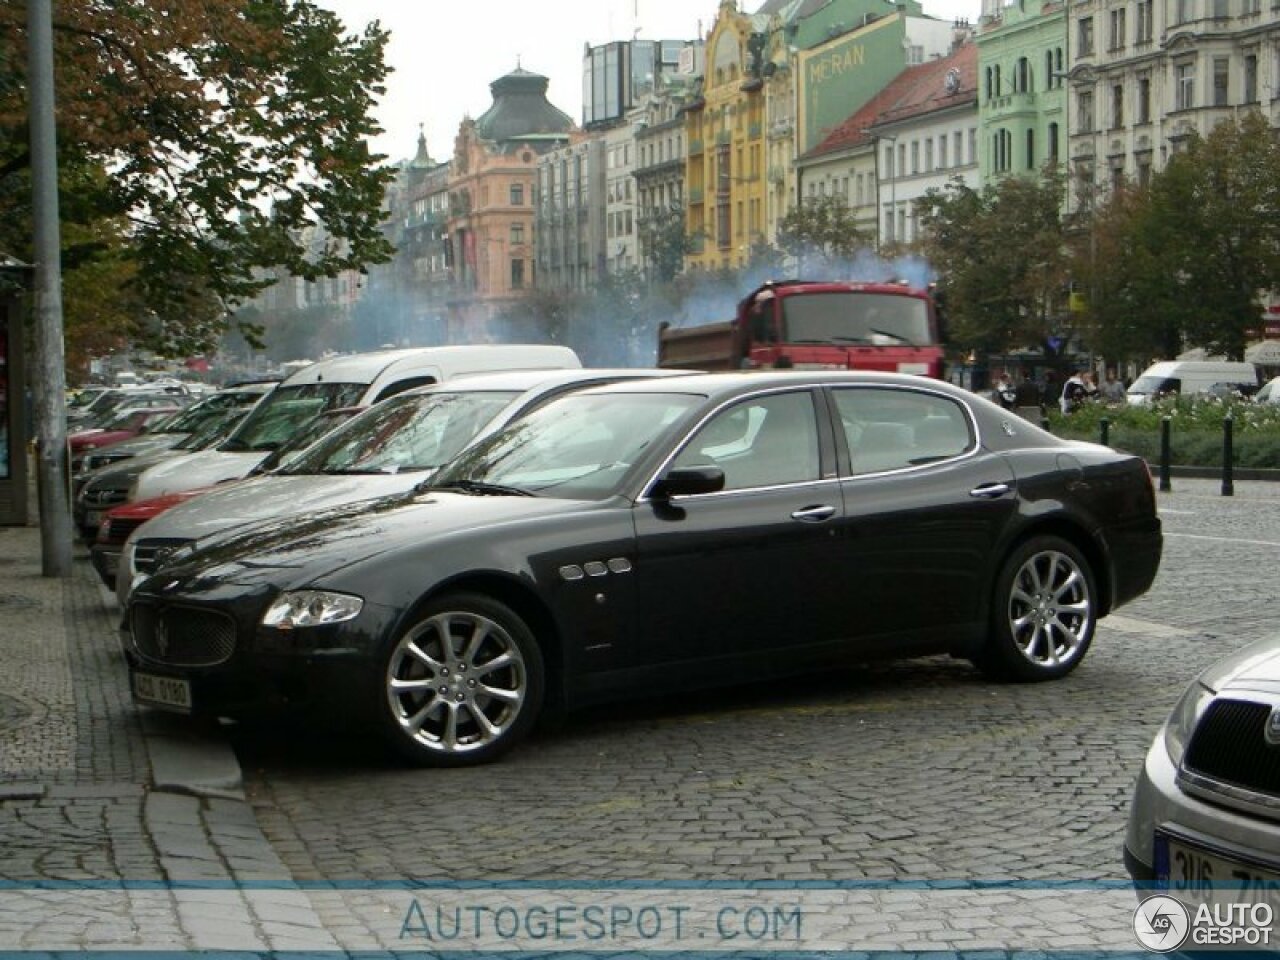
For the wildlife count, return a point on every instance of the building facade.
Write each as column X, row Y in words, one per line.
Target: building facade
column 569, row 229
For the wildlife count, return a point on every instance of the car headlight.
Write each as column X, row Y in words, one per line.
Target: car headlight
column 310, row 608
column 1182, row 722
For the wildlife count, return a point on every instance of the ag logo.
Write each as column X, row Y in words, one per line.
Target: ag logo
column 1161, row 923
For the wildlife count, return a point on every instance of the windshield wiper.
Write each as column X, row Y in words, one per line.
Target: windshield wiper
column 892, row 336
column 480, row 488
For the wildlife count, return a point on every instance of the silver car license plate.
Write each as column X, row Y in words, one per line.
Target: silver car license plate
column 1198, row 875
column 172, row 693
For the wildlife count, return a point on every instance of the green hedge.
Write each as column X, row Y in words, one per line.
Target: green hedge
column 1195, row 436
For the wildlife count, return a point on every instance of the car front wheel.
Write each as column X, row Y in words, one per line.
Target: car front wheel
column 1044, row 613
column 463, row 684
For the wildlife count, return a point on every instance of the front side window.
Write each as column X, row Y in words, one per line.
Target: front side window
column 895, row 429
column 762, row 442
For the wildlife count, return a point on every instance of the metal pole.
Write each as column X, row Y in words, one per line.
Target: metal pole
column 49, row 375
column 1104, row 432
column 1228, row 481
column 1165, row 426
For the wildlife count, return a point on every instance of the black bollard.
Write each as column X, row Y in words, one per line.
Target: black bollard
column 1044, row 424
column 1165, row 426
column 1228, row 482
column 1104, row 432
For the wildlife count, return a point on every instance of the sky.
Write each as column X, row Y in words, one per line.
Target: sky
column 445, row 53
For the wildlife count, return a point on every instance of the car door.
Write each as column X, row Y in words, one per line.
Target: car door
column 924, row 506
column 748, row 569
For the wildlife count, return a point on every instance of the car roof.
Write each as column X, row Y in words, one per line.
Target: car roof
column 522, row 381
column 368, row 367
column 732, row 384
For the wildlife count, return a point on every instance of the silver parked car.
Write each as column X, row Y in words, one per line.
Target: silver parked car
column 1205, row 815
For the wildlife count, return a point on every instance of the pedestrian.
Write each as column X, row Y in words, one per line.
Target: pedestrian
column 1091, row 392
column 1004, row 393
column 1073, row 393
column 1112, row 389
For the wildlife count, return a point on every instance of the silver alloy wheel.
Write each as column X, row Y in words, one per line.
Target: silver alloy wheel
column 1050, row 609
column 456, row 682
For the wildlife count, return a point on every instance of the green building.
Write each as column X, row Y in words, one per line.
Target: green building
column 1022, row 97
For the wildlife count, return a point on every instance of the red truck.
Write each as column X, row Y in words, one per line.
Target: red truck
column 815, row 325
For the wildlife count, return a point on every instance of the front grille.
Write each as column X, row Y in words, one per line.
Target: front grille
column 145, row 552
column 105, row 498
column 1229, row 747
column 182, row 636
column 118, row 529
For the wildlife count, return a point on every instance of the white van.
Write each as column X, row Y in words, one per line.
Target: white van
column 1192, row 376
column 353, row 381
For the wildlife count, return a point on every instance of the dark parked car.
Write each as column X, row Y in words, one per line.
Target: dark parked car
column 658, row 534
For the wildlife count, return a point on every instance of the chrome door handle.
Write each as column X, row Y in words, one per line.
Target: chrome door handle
column 989, row 491
column 814, row 514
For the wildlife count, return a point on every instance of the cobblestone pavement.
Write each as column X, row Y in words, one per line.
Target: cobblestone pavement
column 910, row 772
column 914, row 771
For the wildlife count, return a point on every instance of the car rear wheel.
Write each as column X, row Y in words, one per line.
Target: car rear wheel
column 463, row 684
column 1044, row 613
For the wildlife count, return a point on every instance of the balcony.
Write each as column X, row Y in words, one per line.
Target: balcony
column 1012, row 104
column 695, row 148
column 723, row 137
column 753, row 131
column 695, row 194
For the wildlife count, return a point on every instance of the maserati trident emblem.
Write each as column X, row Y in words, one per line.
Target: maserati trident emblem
column 1271, row 732
column 162, row 638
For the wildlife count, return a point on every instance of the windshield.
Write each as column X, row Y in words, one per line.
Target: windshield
column 876, row 319
column 213, row 432
column 1154, row 384
column 206, row 411
column 289, row 451
column 279, row 415
column 578, row 447
column 415, row 432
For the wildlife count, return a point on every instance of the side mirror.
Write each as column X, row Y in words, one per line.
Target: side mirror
column 688, row 481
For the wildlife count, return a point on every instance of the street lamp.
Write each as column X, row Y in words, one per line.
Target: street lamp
column 893, row 182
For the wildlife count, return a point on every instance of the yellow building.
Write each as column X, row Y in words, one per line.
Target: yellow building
column 725, row 172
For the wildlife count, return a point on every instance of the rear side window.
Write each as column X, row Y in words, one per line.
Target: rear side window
column 896, row 429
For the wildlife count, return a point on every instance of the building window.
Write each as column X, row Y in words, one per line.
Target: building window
column 1084, row 111
column 973, row 144
column 888, row 162
column 1250, row 7
column 928, row 155
column 1022, row 76
column 1251, row 78
column 517, row 233
column 1144, row 98
column 1031, row 149
column 1053, row 143
column 1117, row 29
column 517, row 274
column 1143, row 33
column 1050, row 81
column 1084, row 35
column 915, row 156
column 1117, row 177
column 517, row 194
column 1117, row 106
column 958, row 144
column 902, row 159
column 1184, row 86
column 888, row 226
column 1144, row 173
column 942, row 152
column 1221, row 9
column 1221, row 81
column 1183, row 11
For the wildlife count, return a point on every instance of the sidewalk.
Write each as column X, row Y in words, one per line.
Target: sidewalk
column 92, row 789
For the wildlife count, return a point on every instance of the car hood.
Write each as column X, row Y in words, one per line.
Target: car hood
column 120, row 476
column 295, row 551
column 202, row 469
column 1256, row 666
column 271, row 497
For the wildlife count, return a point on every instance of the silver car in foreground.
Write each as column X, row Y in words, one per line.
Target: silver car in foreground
column 1205, row 819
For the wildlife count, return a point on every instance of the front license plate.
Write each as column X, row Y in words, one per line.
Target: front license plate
column 1197, row 875
column 171, row 692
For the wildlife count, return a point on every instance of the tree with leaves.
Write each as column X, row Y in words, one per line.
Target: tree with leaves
column 1001, row 259
column 821, row 233
column 197, row 142
column 1213, row 230
column 664, row 242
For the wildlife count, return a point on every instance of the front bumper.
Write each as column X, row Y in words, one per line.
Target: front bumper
column 106, row 561
column 1160, row 805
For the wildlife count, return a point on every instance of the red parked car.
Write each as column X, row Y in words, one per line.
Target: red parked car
column 125, row 426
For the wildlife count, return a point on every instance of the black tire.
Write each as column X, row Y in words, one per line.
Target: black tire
column 467, row 705
column 1043, row 613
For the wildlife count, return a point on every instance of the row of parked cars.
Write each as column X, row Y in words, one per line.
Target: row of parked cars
column 444, row 545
